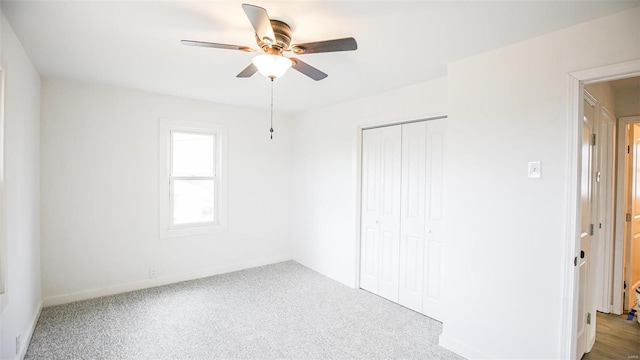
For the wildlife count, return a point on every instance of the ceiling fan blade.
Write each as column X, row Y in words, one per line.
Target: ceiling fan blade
column 260, row 20
column 345, row 44
column 248, row 71
column 216, row 46
column 307, row 69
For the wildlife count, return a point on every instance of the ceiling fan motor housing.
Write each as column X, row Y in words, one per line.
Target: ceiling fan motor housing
column 282, row 32
column 274, row 38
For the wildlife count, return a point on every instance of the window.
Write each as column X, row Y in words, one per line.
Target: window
column 192, row 178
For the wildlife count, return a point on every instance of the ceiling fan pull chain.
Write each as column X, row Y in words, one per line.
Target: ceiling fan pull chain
column 271, row 130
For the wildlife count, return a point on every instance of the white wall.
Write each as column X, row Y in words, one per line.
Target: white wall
column 326, row 172
column 504, row 261
column 605, row 95
column 628, row 102
column 100, row 192
column 20, row 304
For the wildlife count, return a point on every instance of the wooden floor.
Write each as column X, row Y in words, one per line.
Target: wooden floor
column 616, row 338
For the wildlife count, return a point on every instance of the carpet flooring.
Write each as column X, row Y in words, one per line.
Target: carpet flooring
column 280, row 311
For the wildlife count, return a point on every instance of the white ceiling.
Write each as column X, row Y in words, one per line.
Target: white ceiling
column 136, row 44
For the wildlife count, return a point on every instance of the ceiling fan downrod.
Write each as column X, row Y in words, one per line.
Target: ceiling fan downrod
column 271, row 130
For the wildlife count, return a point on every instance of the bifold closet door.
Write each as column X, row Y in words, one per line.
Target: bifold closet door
column 430, row 222
column 380, row 228
column 434, row 215
column 401, row 233
column 413, row 217
column 421, row 217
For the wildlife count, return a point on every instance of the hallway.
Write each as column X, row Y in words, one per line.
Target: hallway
column 616, row 338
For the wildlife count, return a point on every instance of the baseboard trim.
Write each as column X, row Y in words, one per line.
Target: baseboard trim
column 460, row 349
column 32, row 328
column 347, row 282
column 160, row 281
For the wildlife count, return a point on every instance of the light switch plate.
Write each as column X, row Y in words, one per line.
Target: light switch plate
column 534, row 170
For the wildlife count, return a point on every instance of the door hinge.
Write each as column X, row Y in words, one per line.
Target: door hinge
column 575, row 261
column 593, row 139
column 627, row 217
column 591, row 231
column 598, row 174
column 628, row 149
column 588, row 318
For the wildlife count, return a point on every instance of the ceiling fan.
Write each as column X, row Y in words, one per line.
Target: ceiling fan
column 274, row 39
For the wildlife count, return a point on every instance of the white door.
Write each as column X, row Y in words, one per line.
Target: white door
column 380, row 229
column 401, row 232
column 585, row 231
column 412, row 234
column 369, row 230
column 632, row 252
column 432, row 294
column 603, row 258
column 421, row 226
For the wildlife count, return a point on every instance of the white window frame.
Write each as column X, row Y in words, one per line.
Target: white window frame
column 219, row 131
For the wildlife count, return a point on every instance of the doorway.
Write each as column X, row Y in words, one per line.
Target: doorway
column 572, row 279
column 611, row 217
column 627, row 261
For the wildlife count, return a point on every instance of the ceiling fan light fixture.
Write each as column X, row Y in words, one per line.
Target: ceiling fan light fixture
column 272, row 66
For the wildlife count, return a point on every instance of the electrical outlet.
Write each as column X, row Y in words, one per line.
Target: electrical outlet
column 152, row 273
column 17, row 344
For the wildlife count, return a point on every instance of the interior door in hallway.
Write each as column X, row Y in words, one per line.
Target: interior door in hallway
column 380, row 224
column 632, row 251
column 586, row 230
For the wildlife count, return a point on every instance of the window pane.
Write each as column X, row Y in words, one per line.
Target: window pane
column 192, row 201
column 192, row 154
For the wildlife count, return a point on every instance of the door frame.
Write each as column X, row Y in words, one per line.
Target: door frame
column 570, row 274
